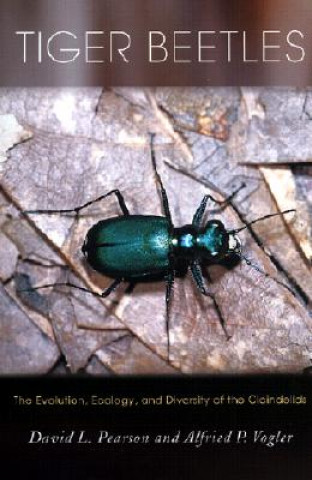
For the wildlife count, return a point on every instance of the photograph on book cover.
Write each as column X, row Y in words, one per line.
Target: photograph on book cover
column 248, row 150
column 202, row 260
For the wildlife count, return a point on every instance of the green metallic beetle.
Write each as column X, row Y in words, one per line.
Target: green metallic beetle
column 140, row 248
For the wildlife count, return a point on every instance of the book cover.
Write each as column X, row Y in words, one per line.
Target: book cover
column 155, row 167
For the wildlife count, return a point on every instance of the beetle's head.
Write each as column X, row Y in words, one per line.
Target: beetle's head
column 217, row 242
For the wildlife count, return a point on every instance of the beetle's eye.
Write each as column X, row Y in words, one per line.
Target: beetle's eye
column 216, row 227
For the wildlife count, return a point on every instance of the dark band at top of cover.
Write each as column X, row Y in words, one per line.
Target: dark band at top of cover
column 155, row 42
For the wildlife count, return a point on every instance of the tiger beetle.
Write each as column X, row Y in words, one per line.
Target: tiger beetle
column 141, row 248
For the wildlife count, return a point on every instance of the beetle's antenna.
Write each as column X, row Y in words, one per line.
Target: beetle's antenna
column 237, row 230
column 258, row 269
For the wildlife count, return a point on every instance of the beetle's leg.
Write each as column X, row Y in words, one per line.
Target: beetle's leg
column 164, row 196
column 104, row 294
column 130, row 288
column 76, row 210
column 169, row 287
column 198, row 278
column 198, row 216
column 205, row 273
column 111, row 287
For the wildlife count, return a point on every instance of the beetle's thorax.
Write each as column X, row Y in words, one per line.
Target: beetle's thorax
column 184, row 242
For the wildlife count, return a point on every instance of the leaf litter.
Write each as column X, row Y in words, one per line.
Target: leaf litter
column 86, row 142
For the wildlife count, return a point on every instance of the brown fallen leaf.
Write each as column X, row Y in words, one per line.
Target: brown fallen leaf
column 273, row 127
column 282, row 184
